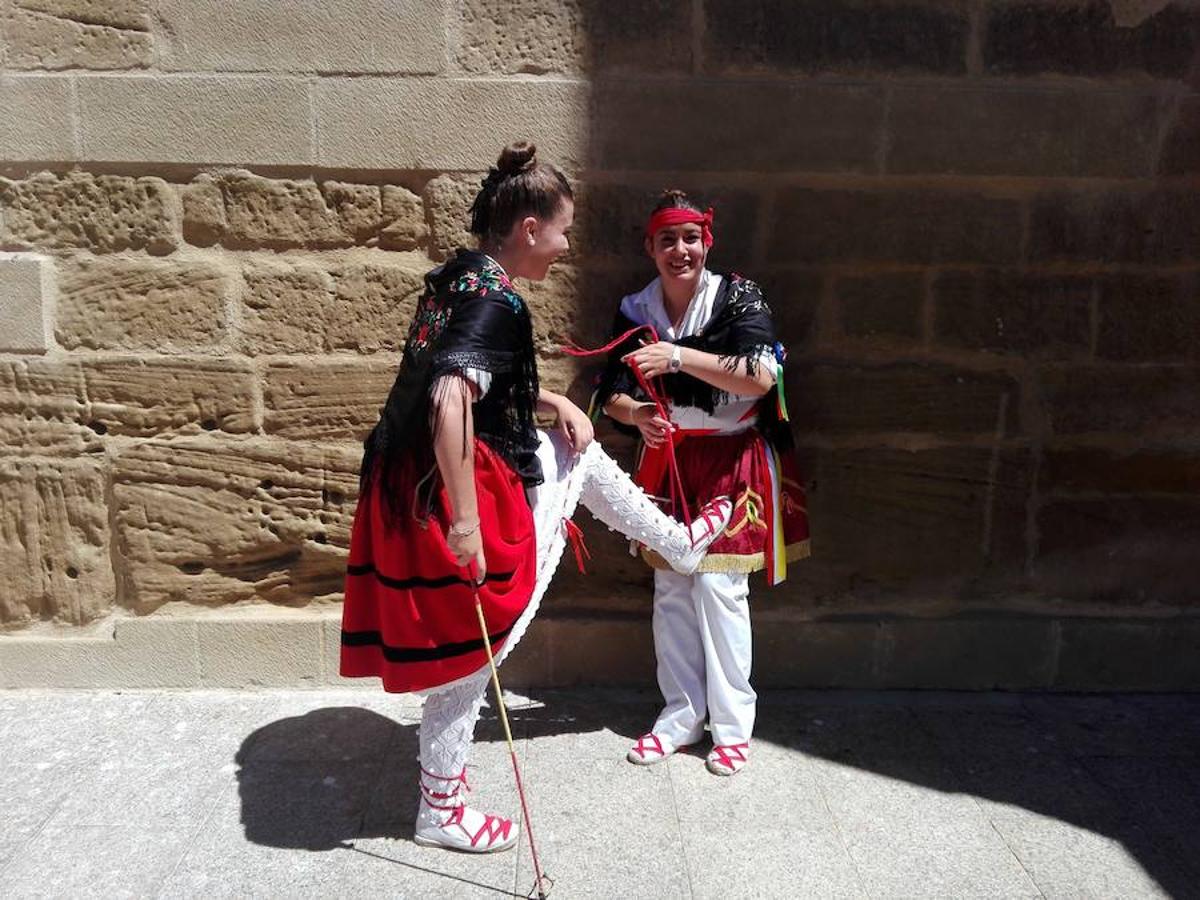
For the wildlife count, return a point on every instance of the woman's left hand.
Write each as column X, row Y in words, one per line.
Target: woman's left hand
column 651, row 360
column 575, row 426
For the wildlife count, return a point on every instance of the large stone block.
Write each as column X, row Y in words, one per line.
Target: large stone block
column 54, row 539
column 1125, row 551
column 374, row 123
column 43, row 409
column 25, row 286
column 792, row 654
column 126, row 653
column 375, row 296
column 204, row 218
column 404, row 227
column 886, row 306
column 285, row 305
column 256, row 651
column 928, row 523
column 835, row 36
column 840, row 399
column 102, row 213
column 37, row 118
column 285, row 213
column 640, row 125
column 1008, row 312
column 143, row 304
column 149, row 395
column 329, row 399
column 1093, row 470
column 357, row 206
column 794, row 297
column 369, row 36
column 1146, row 318
column 212, row 521
column 36, row 40
column 1149, row 655
column 578, row 37
column 1146, row 401
column 449, row 199
column 1158, row 226
column 129, row 14
column 195, row 119
column 975, row 655
column 579, row 649
column 1178, row 155
column 991, row 131
column 1084, row 38
column 814, row 225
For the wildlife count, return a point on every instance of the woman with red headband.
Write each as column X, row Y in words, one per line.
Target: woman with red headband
column 706, row 343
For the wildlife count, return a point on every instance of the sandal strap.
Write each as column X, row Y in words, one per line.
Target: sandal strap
column 494, row 828
column 641, row 748
column 729, row 754
column 459, row 781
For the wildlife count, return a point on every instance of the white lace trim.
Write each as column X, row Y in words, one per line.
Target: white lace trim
column 549, row 555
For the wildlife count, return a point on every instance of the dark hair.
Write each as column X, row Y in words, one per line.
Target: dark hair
column 675, row 199
column 516, row 187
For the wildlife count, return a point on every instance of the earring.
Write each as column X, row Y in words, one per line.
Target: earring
column 531, row 242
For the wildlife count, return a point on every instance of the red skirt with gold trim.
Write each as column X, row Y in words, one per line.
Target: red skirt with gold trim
column 409, row 616
column 769, row 527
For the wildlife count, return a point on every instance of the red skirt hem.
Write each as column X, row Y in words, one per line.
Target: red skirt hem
column 409, row 615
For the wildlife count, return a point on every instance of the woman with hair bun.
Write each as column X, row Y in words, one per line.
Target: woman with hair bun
column 458, row 485
column 721, row 372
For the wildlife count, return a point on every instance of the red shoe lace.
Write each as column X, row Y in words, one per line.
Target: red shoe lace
column 712, row 517
column 728, row 754
column 493, row 828
column 461, row 778
column 641, row 746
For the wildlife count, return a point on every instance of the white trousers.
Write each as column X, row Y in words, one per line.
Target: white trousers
column 703, row 643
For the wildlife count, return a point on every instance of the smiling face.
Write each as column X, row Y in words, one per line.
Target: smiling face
column 678, row 252
column 537, row 243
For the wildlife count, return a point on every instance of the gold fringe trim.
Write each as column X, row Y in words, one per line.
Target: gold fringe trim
column 733, row 563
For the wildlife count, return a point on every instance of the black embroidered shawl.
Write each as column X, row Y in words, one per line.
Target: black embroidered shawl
column 740, row 331
column 469, row 316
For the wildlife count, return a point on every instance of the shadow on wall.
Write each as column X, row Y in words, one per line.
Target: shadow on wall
column 1121, row 769
column 992, row 412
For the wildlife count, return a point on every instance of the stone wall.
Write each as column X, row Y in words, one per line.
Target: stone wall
column 977, row 222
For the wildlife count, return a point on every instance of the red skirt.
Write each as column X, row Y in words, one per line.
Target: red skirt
column 769, row 527
column 409, row 616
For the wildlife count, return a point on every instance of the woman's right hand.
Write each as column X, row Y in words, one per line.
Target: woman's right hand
column 467, row 548
column 654, row 428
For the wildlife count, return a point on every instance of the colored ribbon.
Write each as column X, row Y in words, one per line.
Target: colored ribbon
column 575, row 536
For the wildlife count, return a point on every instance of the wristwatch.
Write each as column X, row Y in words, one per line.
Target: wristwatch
column 676, row 362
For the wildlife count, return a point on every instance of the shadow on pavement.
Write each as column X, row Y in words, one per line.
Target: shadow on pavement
column 1123, row 767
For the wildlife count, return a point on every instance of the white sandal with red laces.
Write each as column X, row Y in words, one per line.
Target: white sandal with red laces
column 727, row 759
column 649, row 750
column 709, row 524
column 444, row 819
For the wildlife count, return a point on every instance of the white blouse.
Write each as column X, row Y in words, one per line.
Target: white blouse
column 646, row 307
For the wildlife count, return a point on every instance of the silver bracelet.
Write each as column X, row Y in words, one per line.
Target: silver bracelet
column 459, row 531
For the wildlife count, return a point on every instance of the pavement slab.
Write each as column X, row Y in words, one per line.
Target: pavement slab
column 311, row 793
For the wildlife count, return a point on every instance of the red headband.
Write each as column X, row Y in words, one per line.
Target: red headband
column 664, row 218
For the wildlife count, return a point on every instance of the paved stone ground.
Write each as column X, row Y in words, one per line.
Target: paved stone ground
column 310, row 794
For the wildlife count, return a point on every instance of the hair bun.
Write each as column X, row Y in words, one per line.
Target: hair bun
column 517, row 157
